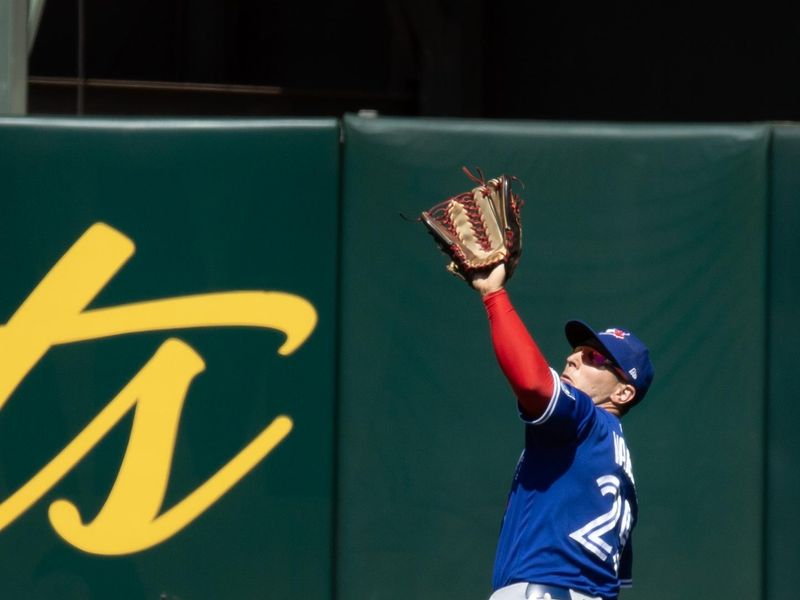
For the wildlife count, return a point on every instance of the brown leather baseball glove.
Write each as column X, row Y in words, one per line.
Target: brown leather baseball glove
column 478, row 229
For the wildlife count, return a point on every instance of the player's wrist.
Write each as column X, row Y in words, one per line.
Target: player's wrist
column 491, row 281
column 486, row 291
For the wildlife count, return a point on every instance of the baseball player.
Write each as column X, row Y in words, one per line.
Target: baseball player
column 566, row 533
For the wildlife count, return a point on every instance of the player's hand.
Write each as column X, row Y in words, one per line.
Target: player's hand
column 490, row 281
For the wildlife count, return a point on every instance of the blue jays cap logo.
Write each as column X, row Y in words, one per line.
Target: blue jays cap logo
column 620, row 334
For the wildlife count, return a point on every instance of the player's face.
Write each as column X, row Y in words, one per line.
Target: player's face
column 592, row 373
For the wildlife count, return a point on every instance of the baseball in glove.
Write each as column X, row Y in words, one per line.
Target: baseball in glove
column 478, row 229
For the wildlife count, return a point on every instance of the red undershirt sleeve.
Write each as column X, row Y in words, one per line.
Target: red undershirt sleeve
column 518, row 355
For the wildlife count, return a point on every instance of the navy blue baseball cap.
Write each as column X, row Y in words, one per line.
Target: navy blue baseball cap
column 624, row 349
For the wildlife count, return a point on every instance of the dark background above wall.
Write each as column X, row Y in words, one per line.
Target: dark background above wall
column 471, row 58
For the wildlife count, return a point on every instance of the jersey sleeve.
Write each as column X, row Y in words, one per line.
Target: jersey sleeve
column 569, row 411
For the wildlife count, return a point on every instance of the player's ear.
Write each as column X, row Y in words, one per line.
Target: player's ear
column 624, row 394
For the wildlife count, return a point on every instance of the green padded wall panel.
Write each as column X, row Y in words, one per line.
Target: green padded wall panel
column 659, row 228
column 211, row 209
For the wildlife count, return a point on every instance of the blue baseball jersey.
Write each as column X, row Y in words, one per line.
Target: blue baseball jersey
column 572, row 503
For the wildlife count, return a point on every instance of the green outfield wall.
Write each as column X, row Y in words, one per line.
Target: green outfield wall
column 230, row 368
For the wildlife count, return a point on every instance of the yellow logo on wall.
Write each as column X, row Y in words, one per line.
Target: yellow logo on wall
column 55, row 313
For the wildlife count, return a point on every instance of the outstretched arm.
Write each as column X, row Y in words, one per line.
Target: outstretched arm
column 518, row 355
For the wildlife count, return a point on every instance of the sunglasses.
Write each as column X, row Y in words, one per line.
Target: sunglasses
column 592, row 357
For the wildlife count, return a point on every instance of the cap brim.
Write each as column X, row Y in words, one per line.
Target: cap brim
column 579, row 332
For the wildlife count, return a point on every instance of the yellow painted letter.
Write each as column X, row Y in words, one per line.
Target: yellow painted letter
column 55, row 313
